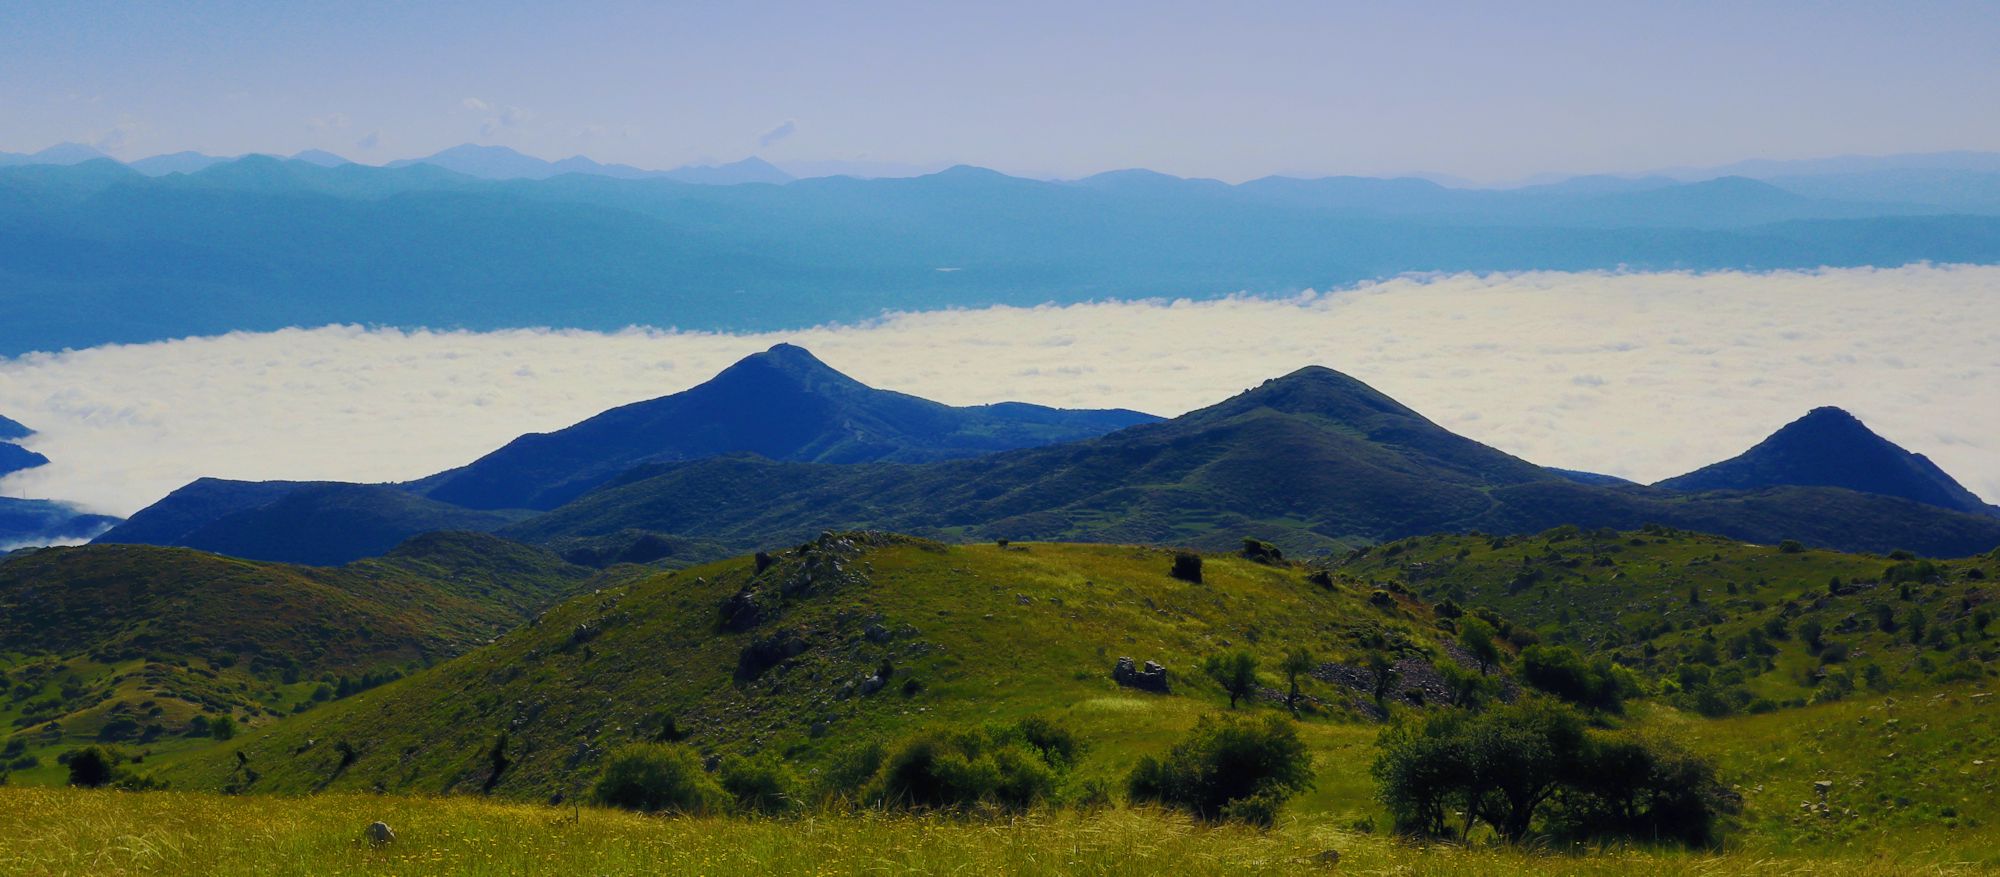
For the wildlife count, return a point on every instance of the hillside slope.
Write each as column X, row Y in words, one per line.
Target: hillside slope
column 782, row 661
column 140, row 639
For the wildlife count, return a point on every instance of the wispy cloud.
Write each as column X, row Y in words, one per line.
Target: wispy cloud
column 1639, row 375
column 775, row 135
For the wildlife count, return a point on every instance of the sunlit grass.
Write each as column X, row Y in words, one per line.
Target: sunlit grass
column 61, row 831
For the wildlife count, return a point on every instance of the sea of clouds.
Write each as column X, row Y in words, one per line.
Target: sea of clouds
column 1642, row 375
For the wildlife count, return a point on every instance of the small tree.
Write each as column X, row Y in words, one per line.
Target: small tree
column 1385, row 674
column 1915, row 621
column 222, row 727
column 1476, row 636
column 1298, row 662
column 1236, row 673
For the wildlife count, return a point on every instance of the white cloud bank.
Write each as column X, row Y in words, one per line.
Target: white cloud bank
column 1639, row 375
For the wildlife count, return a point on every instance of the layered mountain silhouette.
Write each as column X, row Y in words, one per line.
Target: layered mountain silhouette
column 321, row 523
column 1832, row 448
column 1313, row 460
column 780, row 447
column 13, row 457
column 37, row 521
column 782, row 404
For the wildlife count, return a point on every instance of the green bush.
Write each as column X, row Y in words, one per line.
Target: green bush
column 762, row 784
column 92, row 767
column 1560, row 671
column 1007, row 767
column 659, row 777
column 1231, row 768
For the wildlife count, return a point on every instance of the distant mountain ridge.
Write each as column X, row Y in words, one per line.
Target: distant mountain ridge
column 780, row 447
column 501, row 163
column 782, row 404
column 1312, row 461
column 1829, row 447
column 98, row 252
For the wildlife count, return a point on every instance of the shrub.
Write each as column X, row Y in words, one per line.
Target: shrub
column 1008, row 767
column 1259, row 551
column 1560, row 671
column 1187, row 567
column 222, row 727
column 1237, row 769
column 762, row 784
column 658, row 777
column 1791, row 546
column 92, row 767
column 847, row 775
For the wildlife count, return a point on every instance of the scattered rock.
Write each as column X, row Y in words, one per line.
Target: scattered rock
column 1152, row 678
column 1326, row 858
column 378, row 834
column 872, row 684
column 1023, row 600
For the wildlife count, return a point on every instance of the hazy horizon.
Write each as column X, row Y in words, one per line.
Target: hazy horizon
column 1054, row 92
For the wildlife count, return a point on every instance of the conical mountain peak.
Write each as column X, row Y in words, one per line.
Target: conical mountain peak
column 1830, row 447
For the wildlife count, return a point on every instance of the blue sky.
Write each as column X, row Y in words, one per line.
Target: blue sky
column 1209, row 89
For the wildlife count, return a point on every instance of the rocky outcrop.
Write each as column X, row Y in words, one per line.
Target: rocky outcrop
column 1152, row 678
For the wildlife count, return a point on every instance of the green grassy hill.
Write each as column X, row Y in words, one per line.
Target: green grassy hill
column 781, row 661
column 789, row 660
column 971, row 633
column 130, row 644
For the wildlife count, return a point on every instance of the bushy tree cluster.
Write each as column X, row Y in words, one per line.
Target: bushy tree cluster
column 1532, row 767
column 1237, row 769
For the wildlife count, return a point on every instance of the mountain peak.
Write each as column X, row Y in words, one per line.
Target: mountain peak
column 787, row 363
column 13, row 429
column 1829, row 447
column 1318, row 390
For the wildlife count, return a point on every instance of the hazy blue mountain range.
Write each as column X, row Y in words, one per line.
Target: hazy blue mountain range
column 37, row 521
column 97, row 252
column 1312, row 461
column 13, row 457
column 1831, row 448
column 42, row 522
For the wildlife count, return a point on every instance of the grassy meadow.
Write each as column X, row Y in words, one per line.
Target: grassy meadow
column 59, row 831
